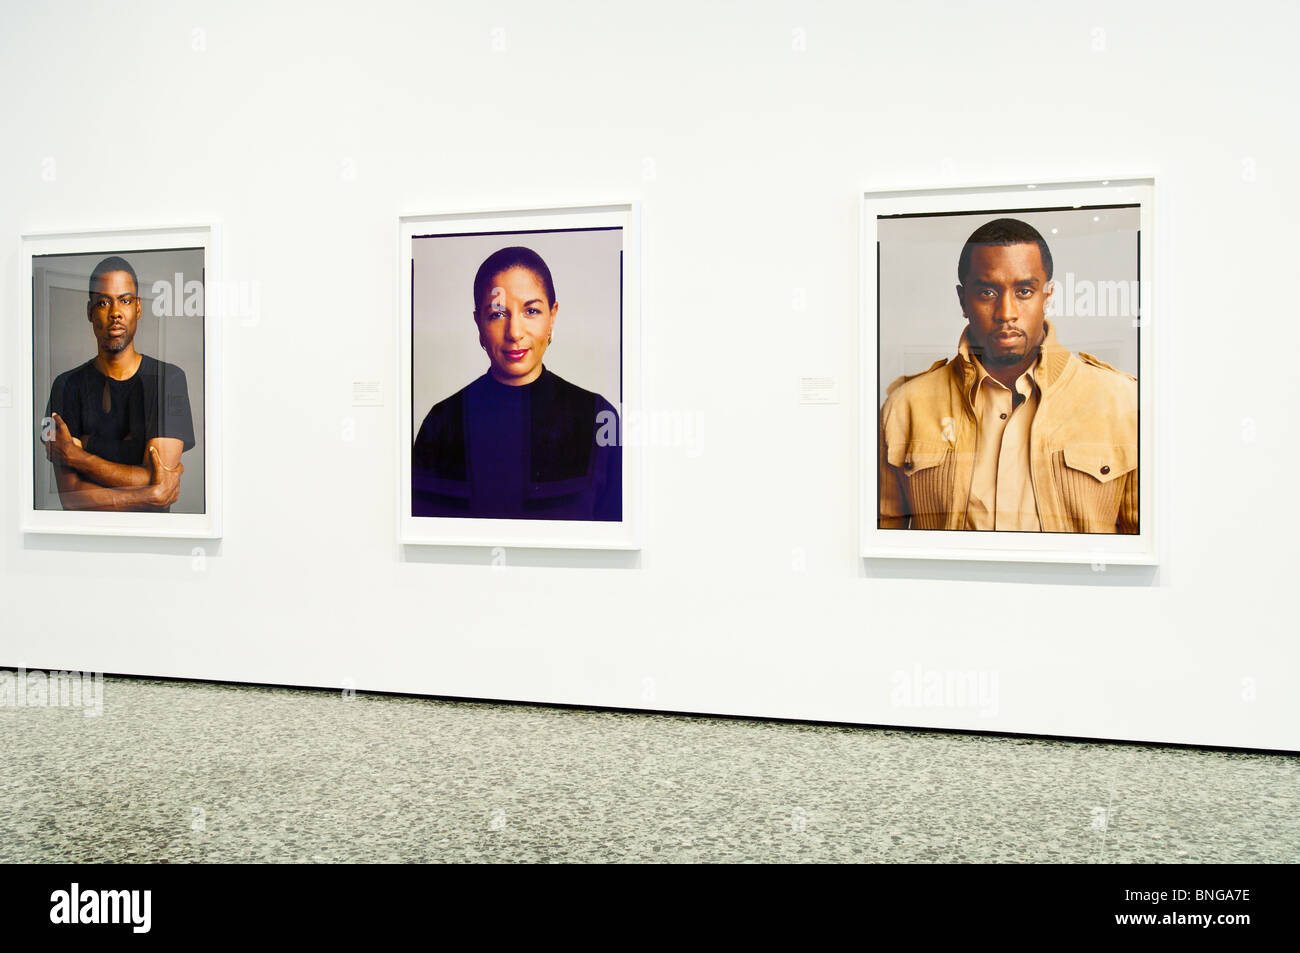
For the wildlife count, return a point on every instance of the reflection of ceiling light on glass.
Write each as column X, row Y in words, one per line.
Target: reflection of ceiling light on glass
column 1105, row 181
column 1096, row 218
column 1031, row 186
column 1055, row 230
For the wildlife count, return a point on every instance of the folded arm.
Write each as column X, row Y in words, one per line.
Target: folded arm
column 105, row 473
column 78, row 494
column 63, row 450
column 161, row 489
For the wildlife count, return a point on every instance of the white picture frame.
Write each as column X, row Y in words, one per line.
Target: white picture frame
column 624, row 534
column 124, row 241
column 997, row 200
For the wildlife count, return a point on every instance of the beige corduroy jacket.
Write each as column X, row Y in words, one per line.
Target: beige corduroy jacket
column 1083, row 445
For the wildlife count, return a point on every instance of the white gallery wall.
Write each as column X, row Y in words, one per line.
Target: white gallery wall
column 748, row 132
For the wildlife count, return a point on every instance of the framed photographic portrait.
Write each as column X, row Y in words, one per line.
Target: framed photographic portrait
column 519, row 360
column 121, row 384
column 1008, row 373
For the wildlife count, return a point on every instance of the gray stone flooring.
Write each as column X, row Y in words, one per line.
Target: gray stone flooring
column 184, row 772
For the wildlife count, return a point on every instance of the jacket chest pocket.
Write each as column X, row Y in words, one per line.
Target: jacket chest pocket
column 1091, row 480
column 928, row 473
column 1103, row 462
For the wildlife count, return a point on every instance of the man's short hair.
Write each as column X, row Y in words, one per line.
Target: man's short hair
column 109, row 265
column 1003, row 231
column 516, row 256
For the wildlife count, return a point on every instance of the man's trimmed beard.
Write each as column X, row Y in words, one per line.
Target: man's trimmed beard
column 1008, row 359
column 1002, row 360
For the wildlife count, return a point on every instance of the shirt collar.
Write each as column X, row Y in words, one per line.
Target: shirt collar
column 1026, row 383
column 1051, row 363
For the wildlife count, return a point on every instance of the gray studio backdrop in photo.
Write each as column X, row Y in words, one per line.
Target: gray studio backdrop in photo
column 1095, row 267
column 64, row 340
column 586, row 268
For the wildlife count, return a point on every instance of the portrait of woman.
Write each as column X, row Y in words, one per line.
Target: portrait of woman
column 519, row 441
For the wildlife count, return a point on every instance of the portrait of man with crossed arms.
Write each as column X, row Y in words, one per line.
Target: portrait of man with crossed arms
column 116, row 426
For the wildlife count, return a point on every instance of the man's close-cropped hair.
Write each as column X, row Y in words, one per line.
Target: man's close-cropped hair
column 109, row 265
column 1003, row 231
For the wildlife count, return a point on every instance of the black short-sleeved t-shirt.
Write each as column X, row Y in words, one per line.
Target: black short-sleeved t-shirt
column 116, row 420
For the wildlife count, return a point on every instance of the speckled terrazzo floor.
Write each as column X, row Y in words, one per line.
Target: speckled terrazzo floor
column 186, row 772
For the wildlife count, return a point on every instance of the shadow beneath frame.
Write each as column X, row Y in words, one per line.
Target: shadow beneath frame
column 1054, row 574
column 122, row 545
column 521, row 556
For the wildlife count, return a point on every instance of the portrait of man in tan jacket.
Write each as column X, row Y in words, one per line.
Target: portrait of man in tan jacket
column 1016, row 433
